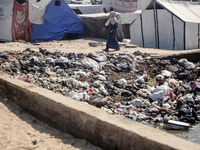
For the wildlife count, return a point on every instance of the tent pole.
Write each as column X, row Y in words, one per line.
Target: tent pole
column 198, row 35
column 184, row 40
column 173, row 31
column 155, row 24
column 142, row 33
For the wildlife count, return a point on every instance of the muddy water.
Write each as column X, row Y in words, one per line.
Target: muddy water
column 192, row 135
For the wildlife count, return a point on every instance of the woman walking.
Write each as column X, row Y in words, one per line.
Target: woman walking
column 112, row 25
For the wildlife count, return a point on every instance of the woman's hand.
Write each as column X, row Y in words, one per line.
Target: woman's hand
column 103, row 29
column 111, row 31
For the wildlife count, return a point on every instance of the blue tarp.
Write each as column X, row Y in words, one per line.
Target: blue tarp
column 58, row 20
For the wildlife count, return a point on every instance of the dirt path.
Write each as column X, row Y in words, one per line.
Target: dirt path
column 82, row 46
column 21, row 131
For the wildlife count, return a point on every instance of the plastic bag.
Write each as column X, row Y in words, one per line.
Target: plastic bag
column 122, row 81
column 156, row 96
column 166, row 73
column 76, row 96
column 173, row 83
column 163, row 88
column 63, row 62
column 100, row 77
column 89, row 63
column 81, row 74
column 73, row 83
column 137, row 102
column 187, row 64
column 100, row 57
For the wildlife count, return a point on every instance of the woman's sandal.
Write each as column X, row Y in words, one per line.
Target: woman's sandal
column 117, row 49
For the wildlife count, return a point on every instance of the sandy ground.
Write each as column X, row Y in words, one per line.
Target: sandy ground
column 21, row 131
column 82, row 46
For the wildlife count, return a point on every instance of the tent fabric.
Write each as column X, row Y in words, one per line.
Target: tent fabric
column 192, row 36
column 124, row 6
column 142, row 4
column 136, row 32
column 88, row 9
column 127, row 18
column 94, row 23
column 187, row 11
column 166, row 24
column 58, row 20
column 37, row 10
column 149, row 29
column 21, row 27
column 178, row 33
column 165, row 30
column 6, row 12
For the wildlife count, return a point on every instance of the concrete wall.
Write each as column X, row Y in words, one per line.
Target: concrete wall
column 84, row 121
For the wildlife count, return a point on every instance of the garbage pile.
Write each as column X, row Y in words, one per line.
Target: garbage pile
column 141, row 87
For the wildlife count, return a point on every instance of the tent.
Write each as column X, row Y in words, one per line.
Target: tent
column 87, row 9
column 122, row 6
column 166, row 24
column 58, row 20
column 94, row 23
column 37, row 20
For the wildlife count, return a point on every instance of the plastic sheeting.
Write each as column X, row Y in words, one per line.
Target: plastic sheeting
column 124, row 6
column 21, row 27
column 94, row 23
column 88, row 9
column 58, row 20
column 6, row 12
column 37, row 10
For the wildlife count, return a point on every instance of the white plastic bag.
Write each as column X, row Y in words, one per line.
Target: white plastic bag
column 163, row 88
column 73, row 83
column 156, row 96
column 166, row 73
column 89, row 63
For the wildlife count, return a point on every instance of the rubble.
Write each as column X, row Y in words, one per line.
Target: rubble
column 148, row 89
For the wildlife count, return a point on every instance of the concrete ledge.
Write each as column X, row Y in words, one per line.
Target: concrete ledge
column 88, row 122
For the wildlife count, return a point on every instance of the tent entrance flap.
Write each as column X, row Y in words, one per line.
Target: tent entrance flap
column 21, row 27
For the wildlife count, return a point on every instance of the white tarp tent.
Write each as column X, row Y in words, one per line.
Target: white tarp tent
column 6, row 11
column 167, row 24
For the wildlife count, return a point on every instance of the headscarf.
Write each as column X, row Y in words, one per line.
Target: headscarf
column 112, row 19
